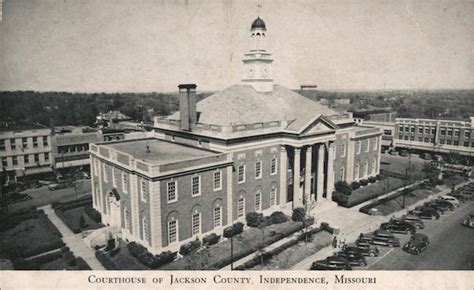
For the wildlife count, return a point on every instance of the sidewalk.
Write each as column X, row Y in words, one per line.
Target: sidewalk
column 351, row 223
column 73, row 241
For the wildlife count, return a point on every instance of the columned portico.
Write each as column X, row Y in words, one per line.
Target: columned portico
column 320, row 174
column 297, row 194
column 330, row 172
column 307, row 174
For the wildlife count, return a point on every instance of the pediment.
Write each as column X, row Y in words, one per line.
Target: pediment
column 318, row 126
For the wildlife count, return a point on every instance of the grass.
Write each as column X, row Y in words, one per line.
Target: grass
column 395, row 205
column 297, row 253
column 29, row 235
column 72, row 216
column 215, row 256
column 123, row 260
column 378, row 188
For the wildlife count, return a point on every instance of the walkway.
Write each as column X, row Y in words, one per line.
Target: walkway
column 351, row 223
column 73, row 241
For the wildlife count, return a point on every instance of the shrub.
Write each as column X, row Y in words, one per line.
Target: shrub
column 355, row 185
column 340, row 198
column 210, row 239
column 81, row 264
column 299, row 214
column 343, row 187
column 267, row 221
column 364, row 182
column 233, row 230
column 146, row 259
column 109, row 265
column 278, row 217
column 372, row 179
column 136, row 249
column 93, row 214
column 190, row 247
column 378, row 177
column 308, row 221
column 254, row 219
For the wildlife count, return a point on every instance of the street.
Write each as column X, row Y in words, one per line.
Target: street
column 42, row 196
column 451, row 246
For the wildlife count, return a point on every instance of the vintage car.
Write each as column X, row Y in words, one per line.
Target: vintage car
column 417, row 244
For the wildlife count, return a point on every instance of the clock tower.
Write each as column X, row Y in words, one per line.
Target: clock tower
column 257, row 62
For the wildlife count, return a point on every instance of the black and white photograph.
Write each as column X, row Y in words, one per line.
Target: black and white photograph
column 230, row 136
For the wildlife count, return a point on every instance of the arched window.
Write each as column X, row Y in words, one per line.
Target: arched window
column 145, row 228
column 273, row 196
column 126, row 218
column 258, row 201
column 241, row 207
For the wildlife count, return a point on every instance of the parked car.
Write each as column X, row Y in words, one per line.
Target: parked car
column 426, row 156
column 56, row 186
column 417, row 244
column 414, row 220
column 366, row 250
column 426, row 213
column 331, row 263
column 381, row 237
column 442, row 205
column 459, row 196
column 426, row 205
column 354, row 257
column 398, row 226
column 451, row 199
column 469, row 221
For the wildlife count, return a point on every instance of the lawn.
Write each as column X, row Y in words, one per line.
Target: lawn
column 218, row 256
column 396, row 204
column 297, row 253
column 398, row 164
column 72, row 218
column 123, row 259
column 30, row 237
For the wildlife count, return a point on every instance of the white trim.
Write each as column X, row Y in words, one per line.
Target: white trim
column 114, row 178
column 199, row 231
column 104, row 172
column 142, row 181
column 214, row 180
column 343, row 150
column 261, row 170
column 274, row 193
column 176, row 231
column 274, row 159
column 259, row 207
column 125, row 179
column 243, row 175
column 243, row 206
column 214, row 217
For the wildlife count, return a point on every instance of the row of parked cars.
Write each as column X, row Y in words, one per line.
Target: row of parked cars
column 366, row 245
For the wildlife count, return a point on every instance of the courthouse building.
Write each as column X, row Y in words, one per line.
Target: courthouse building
column 252, row 147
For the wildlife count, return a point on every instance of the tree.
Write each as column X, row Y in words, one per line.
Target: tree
column 299, row 215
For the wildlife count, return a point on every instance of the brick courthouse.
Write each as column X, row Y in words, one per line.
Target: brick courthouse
column 254, row 146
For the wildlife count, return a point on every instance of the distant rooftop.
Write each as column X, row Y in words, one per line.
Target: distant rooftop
column 161, row 152
column 359, row 114
column 4, row 127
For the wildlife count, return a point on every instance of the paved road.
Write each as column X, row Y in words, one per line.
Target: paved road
column 451, row 246
column 43, row 196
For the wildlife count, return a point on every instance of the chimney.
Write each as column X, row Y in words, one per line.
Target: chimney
column 187, row 106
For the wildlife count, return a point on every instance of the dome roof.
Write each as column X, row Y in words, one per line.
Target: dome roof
column 258, row 23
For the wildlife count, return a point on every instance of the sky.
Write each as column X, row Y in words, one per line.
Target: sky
column 154, row 45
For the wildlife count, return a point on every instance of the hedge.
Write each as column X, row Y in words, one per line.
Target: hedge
column 93, row 214
column 190, row 247
column 364, row 182
column 372, row 179
column 147, row 259
column 233, row 230
column 81, row 199
column 278, row 217
column 254, row 219
column 366, row 209
column 210, row 239
column 355, row 185
column 109, row 265
column 81, row 264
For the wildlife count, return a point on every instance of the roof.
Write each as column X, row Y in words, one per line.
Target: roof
column 242, row 104
column 160, row 151
column 20, row 127
column 361, row 114
column 258, row 23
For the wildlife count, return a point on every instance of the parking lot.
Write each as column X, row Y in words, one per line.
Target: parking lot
column 451, row 246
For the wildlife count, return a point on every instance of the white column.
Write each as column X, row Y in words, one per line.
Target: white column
column 155, row 216
column 307, row 176
column 95, row 203
column 134, row 208
column 297, row 195
column 330, row 173
column 320, row 174
column 283, row 175
column 229, row 195
column 102, row 199
column 379, row 154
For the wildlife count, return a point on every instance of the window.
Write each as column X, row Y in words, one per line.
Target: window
column 35, row 142
column 432, row 140
column 405, row 137
column 426, row 139
column 441, row 141
column 241, row 173
column 114, row 177
column 104, row 169
column 273, row 197
column 217, row 180
column 196, row 224
column 46, row 157
column 258, row 170
column 2, row 145
column 448, row 142
column 374, row 166
column 450, row 132
column 400, row 128
column 217, row 216
column 172, row 231
column 15, row 160
column 433, row 131
column 420, row 138
column 456, row 133
column 258, row 201
column 172, row 191
column 466, row 144
column 467, row 134
column 126, row 218
column 145, row 229
column 26, row 159
column 37, row 158
column 45, row 141
column 343, row 150
column 407, row 129
column 357, row 145
column 366, row 145
column 343, row 174
column 420, row 130
column 144, row 189
column 366, row 168
column 196, row 185
column 400, row 136
column 443, row 132
column 12, row 144
column 124, row 182
column 24, row 142
column 241, row 207
column 5, row 161
column 72, row 148
column 427, row 130
column 387, row 132
column 412, row 129
column 273, row 166
column 356, row 171
column 412, row 138
column 456, row 143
